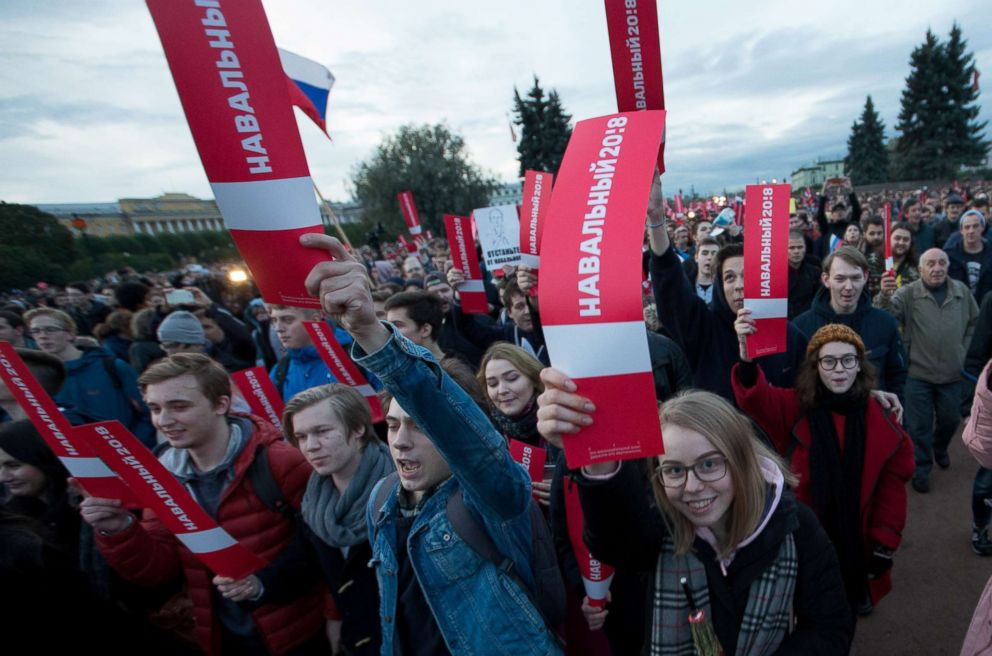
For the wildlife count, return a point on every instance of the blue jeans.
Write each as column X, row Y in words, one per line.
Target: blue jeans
column 981, row 497
column 925, row 403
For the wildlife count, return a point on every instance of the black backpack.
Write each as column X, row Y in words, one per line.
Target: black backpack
column 548, row 595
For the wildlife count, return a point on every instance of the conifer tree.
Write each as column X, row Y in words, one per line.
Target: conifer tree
column 919, row 149
column 867, row 160
column 544, row 129
column 963, row 134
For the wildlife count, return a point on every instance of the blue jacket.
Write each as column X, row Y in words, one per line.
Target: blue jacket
column 877, row 329
column 92, row 389
column 306, row 370
column 478, row 608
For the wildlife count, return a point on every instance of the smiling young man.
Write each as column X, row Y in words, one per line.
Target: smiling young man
column 437, row 594
column 210, row 450
column 938, row 316
column 845, row 274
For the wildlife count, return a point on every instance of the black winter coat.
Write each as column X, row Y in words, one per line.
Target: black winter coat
column 804, row 282
column 624, row 527
column 958, row 269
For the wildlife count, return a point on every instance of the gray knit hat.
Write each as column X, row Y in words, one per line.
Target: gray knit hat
column 181, row 327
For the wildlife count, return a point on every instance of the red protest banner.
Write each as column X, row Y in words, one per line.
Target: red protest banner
column 766, row 272
column 537, row 197
column 531, row 457
column 596, row 575
column 159, row 491
column 410, row 247
column 236, row 99
column 410, row 212
column 261, row 394
column 887, row 222
column 635, row 48
column 594, row 322
column 75, row 455
column 471, row 293
column 341, row 366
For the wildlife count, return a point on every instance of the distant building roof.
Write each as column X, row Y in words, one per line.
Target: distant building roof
column 68, row 209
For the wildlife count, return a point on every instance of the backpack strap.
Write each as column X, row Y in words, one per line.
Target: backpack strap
column 265, row 486
column 109, row 364
column 282, row 370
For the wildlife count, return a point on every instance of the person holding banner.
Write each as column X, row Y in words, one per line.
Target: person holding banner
column 210, row 451
column 724, row 534
column 706, row 332
column 436, row 592
column 851, row 455
column 332, row 427
column 904, row 263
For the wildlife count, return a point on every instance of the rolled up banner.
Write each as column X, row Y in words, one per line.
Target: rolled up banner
column 635, row 49
column 887, row 222
column 472, row 292
column 236, row 99
column 159, row 491
column 261, row 394
column 596, row 575
column 410, row 215
column 410, row 247
column 82, row 462
column 591, row 308
column 346, row 371
column 531, row 457
column 499, row 234
column 766, row 266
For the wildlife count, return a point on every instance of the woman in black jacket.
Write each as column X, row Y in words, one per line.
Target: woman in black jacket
column 332, row 426
column 722, row 535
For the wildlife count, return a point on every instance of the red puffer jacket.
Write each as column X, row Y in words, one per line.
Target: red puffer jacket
column 888, row 465
column 148, row 554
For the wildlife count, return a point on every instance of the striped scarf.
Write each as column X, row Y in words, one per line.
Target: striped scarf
column 767, row 617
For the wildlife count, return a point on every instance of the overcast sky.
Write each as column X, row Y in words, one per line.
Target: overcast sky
column 88, row 110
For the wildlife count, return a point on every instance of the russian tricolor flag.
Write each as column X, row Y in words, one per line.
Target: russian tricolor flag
column 309, row 85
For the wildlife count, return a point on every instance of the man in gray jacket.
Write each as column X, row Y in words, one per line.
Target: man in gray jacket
column 937, row 315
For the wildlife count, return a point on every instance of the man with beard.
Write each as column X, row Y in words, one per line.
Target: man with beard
column 873, row 243
column 904, row 269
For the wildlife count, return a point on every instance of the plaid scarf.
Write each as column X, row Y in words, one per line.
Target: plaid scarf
column 767, row 617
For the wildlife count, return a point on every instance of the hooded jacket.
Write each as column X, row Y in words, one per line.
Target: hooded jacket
column 306, row 369
column 877, row 329
column 706, row 332
column 146, row 553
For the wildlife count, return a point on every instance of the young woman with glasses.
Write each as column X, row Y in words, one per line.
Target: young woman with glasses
column 853, row 459
column 735, row 565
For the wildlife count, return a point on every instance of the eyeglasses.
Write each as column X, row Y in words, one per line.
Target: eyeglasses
column 46, row 330
column 709, row 469
column 829, row 362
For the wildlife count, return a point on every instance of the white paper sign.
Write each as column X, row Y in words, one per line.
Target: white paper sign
column 499, row 234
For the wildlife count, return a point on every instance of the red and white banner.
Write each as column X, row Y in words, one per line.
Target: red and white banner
column 75, row 455
column 472, row 292
column 537, row 197
column 766, row 266
column 410, row 214
column 346, row 371
column 499, row 235
column 596, row 575
column 531, row 457
column 261, row 394
column 409, row 246
column 887, row 223
column 235, row 95
column 594, row 322
column 635, row 49
column 159, row 491
column 679, row 206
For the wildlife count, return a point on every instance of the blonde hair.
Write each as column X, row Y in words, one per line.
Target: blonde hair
column 528, row 366
column 732, row 434
column 348, row 405
column 212, row 378
column 63, row 319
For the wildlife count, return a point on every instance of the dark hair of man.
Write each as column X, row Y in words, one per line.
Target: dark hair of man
column 849, row 254
column 131, row 295
column 875, row 221
column 724, row 254
column 510, row 289
column 422, row 307
column 12, row 318
column 47, row 369
column 911, row 253
column 210, row 376
column 838, row 207
column 707, row 241
column 909, row 202
column 79, row 285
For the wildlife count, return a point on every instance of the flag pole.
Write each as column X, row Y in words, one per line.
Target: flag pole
column 334, row 217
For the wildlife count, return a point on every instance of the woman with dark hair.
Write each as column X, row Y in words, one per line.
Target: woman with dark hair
column 37, row 484
column 853, row 459
column 115, row 334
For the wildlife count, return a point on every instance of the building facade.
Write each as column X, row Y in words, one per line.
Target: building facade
column 815, row 174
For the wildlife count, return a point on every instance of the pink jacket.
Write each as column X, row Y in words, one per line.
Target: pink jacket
column 977, row 437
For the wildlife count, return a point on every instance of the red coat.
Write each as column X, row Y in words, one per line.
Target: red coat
column 888, row 465
column 148, row 554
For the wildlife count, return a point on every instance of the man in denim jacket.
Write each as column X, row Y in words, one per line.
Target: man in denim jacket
column 436, row 594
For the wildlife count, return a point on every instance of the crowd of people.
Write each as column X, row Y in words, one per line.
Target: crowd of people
column 769, row 525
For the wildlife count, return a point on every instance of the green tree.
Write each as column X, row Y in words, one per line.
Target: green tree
column 867, row 160
column 920, row 147
column 965, row 144
column 433, row 163
column 35, row 247
column 544, row 129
